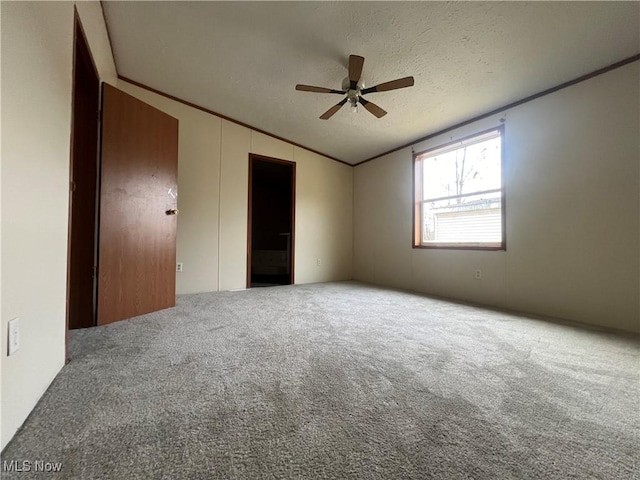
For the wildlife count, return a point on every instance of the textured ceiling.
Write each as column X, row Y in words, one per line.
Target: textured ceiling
column 243, row 59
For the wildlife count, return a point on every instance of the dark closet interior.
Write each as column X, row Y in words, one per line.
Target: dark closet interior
column 271, row 223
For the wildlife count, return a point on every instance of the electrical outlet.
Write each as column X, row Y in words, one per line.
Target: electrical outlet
column 179, row 267
column 14, row 336
column 478, row 274
column 318, row 262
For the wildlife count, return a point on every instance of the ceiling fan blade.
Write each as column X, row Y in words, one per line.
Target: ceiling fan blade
column 355, row 69
column 309, row 88
column 329, row 113
column 372, row 107
column 392, row 85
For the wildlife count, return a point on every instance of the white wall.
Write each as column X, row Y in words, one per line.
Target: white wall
column 37, row 52
column 212, row 198
column 95, row 29
column 3, row 336
column 324, row 218
column 573, row 211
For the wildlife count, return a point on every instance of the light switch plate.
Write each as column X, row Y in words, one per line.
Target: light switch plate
column 14, row 336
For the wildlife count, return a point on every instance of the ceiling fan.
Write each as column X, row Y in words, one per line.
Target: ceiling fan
column 354, row 88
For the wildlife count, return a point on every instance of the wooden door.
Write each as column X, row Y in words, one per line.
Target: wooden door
column 83, row 200
column 138, row 196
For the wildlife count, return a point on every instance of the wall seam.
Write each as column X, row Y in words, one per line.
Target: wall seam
column 353, row 224
column 220, row 202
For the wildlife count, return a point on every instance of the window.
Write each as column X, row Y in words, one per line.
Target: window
column 459, row 195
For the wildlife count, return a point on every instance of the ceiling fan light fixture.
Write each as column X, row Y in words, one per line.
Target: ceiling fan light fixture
column 353, row 104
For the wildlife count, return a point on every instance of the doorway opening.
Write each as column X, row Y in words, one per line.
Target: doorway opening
column 81, row 287
column 271, row 222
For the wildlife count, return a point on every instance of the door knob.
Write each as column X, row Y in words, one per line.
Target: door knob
column 173, row 211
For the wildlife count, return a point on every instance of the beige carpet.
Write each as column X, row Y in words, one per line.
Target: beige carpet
column 339, row 380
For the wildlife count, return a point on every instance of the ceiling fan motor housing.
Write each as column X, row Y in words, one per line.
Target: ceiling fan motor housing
column 346, row 84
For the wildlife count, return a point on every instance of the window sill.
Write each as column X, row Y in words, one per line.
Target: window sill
column 463, row 246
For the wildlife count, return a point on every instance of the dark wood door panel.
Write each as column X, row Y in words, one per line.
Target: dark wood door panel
column 84, row 171
column 137, row 251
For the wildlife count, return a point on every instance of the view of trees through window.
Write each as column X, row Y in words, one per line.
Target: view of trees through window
column 461, row 192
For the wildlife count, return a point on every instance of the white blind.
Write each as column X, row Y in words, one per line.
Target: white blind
column 483, row 225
